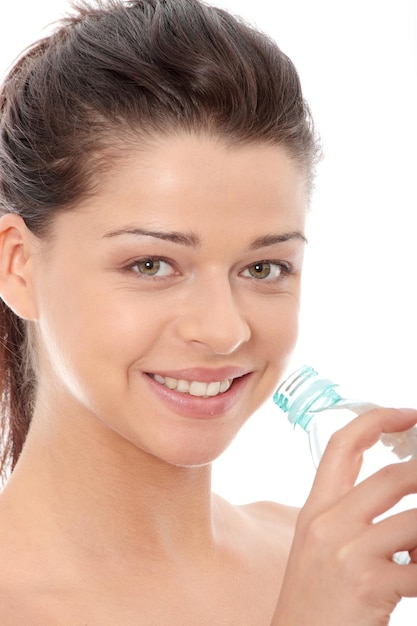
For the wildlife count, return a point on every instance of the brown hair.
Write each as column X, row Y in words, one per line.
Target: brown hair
column 111, row 74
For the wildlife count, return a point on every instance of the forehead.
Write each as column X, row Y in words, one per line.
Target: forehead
column 194, row 157
column 189, row 180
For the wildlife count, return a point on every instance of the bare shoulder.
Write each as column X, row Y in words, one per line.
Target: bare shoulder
column 276, row 520
column 16, row 570
column 272, row 512
column 273, row 527
column 267, row 525
column 262, row 533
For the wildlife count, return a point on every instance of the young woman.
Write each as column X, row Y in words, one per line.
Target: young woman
column 156, row 162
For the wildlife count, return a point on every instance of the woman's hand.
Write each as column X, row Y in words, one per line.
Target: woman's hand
column 340, row 570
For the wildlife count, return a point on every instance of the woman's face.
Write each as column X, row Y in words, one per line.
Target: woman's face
column 167, row 304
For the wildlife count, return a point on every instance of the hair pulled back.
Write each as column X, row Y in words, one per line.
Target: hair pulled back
column 112, row 74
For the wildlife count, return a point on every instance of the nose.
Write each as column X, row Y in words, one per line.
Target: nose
column 214, row 318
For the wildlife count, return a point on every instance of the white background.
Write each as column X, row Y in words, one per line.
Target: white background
column 358, row 64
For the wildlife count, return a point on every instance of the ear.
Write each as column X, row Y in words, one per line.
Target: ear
column 16, row 250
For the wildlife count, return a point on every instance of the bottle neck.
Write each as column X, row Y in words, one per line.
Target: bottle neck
column 319, row 396
column 304, row 396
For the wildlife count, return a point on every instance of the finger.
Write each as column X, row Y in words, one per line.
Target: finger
column 406, row 580
column 413, row 555
column 396, row 533
column 396, row 581
column 381, row 491
column 342, row 459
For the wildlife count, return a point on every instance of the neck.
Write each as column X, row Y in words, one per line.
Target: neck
column 97, row 494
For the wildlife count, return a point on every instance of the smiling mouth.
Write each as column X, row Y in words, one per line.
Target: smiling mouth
column 194, row 387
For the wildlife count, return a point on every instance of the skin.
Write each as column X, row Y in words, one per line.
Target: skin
column 109, row 514
column 340, row 568
column 109, row 517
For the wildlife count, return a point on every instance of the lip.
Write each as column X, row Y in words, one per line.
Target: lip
column 197, row 407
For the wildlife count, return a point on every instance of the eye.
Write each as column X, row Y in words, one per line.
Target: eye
column 152, row 266
column 266, row 270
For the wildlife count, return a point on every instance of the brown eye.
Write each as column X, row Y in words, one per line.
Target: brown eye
column 267, row 271
column 150, row 267
column 260, row 270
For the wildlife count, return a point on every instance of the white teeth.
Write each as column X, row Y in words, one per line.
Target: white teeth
column 171, row 383
column 214, row 388
column 198, row 389
column 194, row 387
column 224, row 386
column 183, row 386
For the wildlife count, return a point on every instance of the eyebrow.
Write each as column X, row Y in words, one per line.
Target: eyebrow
column 270, row 240
column 185, row 239
column 193, row 241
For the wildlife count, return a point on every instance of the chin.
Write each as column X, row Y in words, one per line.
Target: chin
column 192, row 456
column 191, row 459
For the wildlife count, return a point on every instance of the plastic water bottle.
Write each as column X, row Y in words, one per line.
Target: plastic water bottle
column 316, row 405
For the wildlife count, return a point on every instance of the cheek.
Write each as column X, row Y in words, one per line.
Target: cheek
column 277, row 326
column 71, row 329
column 132, row 322
column 278, row 334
